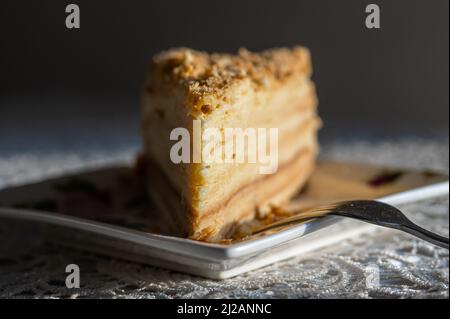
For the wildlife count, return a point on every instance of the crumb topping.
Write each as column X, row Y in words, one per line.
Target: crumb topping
column 206, row 75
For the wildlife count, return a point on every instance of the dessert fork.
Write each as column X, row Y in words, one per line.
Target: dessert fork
column 369, row 211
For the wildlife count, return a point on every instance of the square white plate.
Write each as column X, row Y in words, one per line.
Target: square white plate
column 115, row 224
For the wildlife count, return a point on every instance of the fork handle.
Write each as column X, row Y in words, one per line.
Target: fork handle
column 405, row 225
column 426, row 235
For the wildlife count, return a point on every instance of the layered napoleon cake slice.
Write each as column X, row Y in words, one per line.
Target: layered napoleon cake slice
column 196, row 107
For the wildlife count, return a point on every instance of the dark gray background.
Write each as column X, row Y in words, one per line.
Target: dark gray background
column 62, row 87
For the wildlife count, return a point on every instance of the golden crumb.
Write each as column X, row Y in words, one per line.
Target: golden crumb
column 204, row 75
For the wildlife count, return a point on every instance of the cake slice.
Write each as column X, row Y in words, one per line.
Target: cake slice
column 192, row 90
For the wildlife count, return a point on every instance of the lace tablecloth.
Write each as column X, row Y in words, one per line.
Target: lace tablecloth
column 30, row 266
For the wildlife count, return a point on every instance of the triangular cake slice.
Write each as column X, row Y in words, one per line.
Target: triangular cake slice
column 267, row 90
